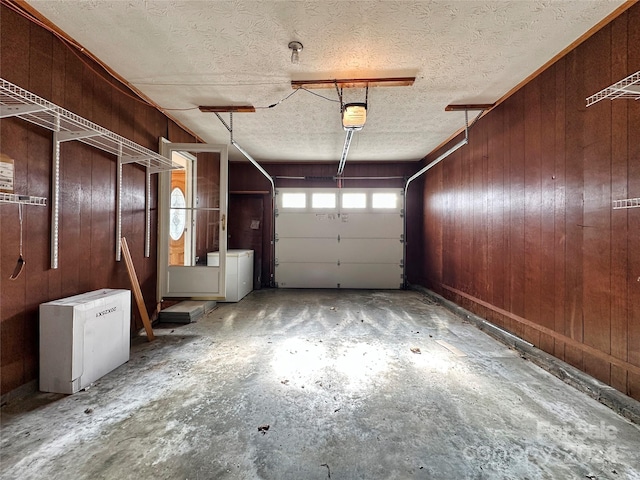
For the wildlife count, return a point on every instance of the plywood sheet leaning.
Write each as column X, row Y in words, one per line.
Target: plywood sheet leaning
column 137, row 292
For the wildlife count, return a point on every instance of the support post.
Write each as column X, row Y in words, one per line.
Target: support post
column 147, row 213
column 119, row 205
column 55, row 200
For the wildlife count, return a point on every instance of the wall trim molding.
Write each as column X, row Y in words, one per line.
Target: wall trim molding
column 619, row 402
column 552, row 333
column 20, row 392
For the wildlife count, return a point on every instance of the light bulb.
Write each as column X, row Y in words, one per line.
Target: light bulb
column 296, row 48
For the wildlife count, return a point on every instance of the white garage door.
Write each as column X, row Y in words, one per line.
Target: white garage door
column 339, row 238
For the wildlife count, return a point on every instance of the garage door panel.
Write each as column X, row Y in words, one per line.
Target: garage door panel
column 307, row 225
column 307, row 275
column 363, row 225
column 358, row 275
column 370, row 250
column 307, row 250
column 356, row 248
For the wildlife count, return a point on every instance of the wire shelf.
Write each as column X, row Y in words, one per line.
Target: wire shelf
column 626, row 203
column 626, row 88
column 17, row 102
column 25, row 199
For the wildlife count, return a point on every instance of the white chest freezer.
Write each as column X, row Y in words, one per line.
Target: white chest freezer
column 83, row 338
column 239, row 272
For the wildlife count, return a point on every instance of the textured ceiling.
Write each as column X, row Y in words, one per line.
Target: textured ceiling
column 182, row 54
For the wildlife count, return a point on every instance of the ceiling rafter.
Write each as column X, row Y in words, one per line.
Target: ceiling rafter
column 227, row 108
column 354, row 82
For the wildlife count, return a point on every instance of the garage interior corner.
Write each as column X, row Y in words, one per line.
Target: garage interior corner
column 316, row 384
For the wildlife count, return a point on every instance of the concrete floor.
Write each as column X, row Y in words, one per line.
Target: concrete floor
column 333, row 375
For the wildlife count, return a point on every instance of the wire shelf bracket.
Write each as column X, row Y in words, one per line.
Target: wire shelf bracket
column 626, row 203
column 67, row 126
column 24, row 199
column 17, row 102
column 626, row 88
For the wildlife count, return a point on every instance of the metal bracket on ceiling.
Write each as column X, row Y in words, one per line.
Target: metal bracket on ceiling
column 340, row 90
column 461, row 143
column 228, row 127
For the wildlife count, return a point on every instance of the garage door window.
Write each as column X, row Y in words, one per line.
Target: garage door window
column 354, row 200
column 384, row 200
column 294, row 200
column 323, row 200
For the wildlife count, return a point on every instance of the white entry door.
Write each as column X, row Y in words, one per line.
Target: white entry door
column 339, row 238
column 192, row 215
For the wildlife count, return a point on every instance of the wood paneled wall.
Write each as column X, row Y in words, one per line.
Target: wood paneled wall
column 35, row 60
column 518, row 225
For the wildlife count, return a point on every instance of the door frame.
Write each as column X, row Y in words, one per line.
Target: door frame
column 197, row 274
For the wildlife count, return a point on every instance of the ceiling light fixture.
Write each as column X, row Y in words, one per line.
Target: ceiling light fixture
column 296, row 48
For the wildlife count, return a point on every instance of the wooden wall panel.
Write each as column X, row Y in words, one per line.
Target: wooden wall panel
column 619, row 231
column 454, row 268
column 479, row 171
column 516, row 243
column 14, row 139
column 429, row 256
column 496, row 215
column 633, row 216
column 13, row 320
column 547, row 206
column 465, row 223
column 532, row 194
column 414, row 214
column 39, row 146
column 559, row 212
column 532, row 208
column 243, row 210
column 597, row 205
column 35, row 60
column 574, row 178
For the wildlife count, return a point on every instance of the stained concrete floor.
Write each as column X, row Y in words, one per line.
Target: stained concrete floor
column 333, row 375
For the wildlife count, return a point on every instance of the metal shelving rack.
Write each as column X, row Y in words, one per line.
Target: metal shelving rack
column 628, row 88
column 626, row 203
column 67, row 126
column 24, row 199
column 17, row 102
